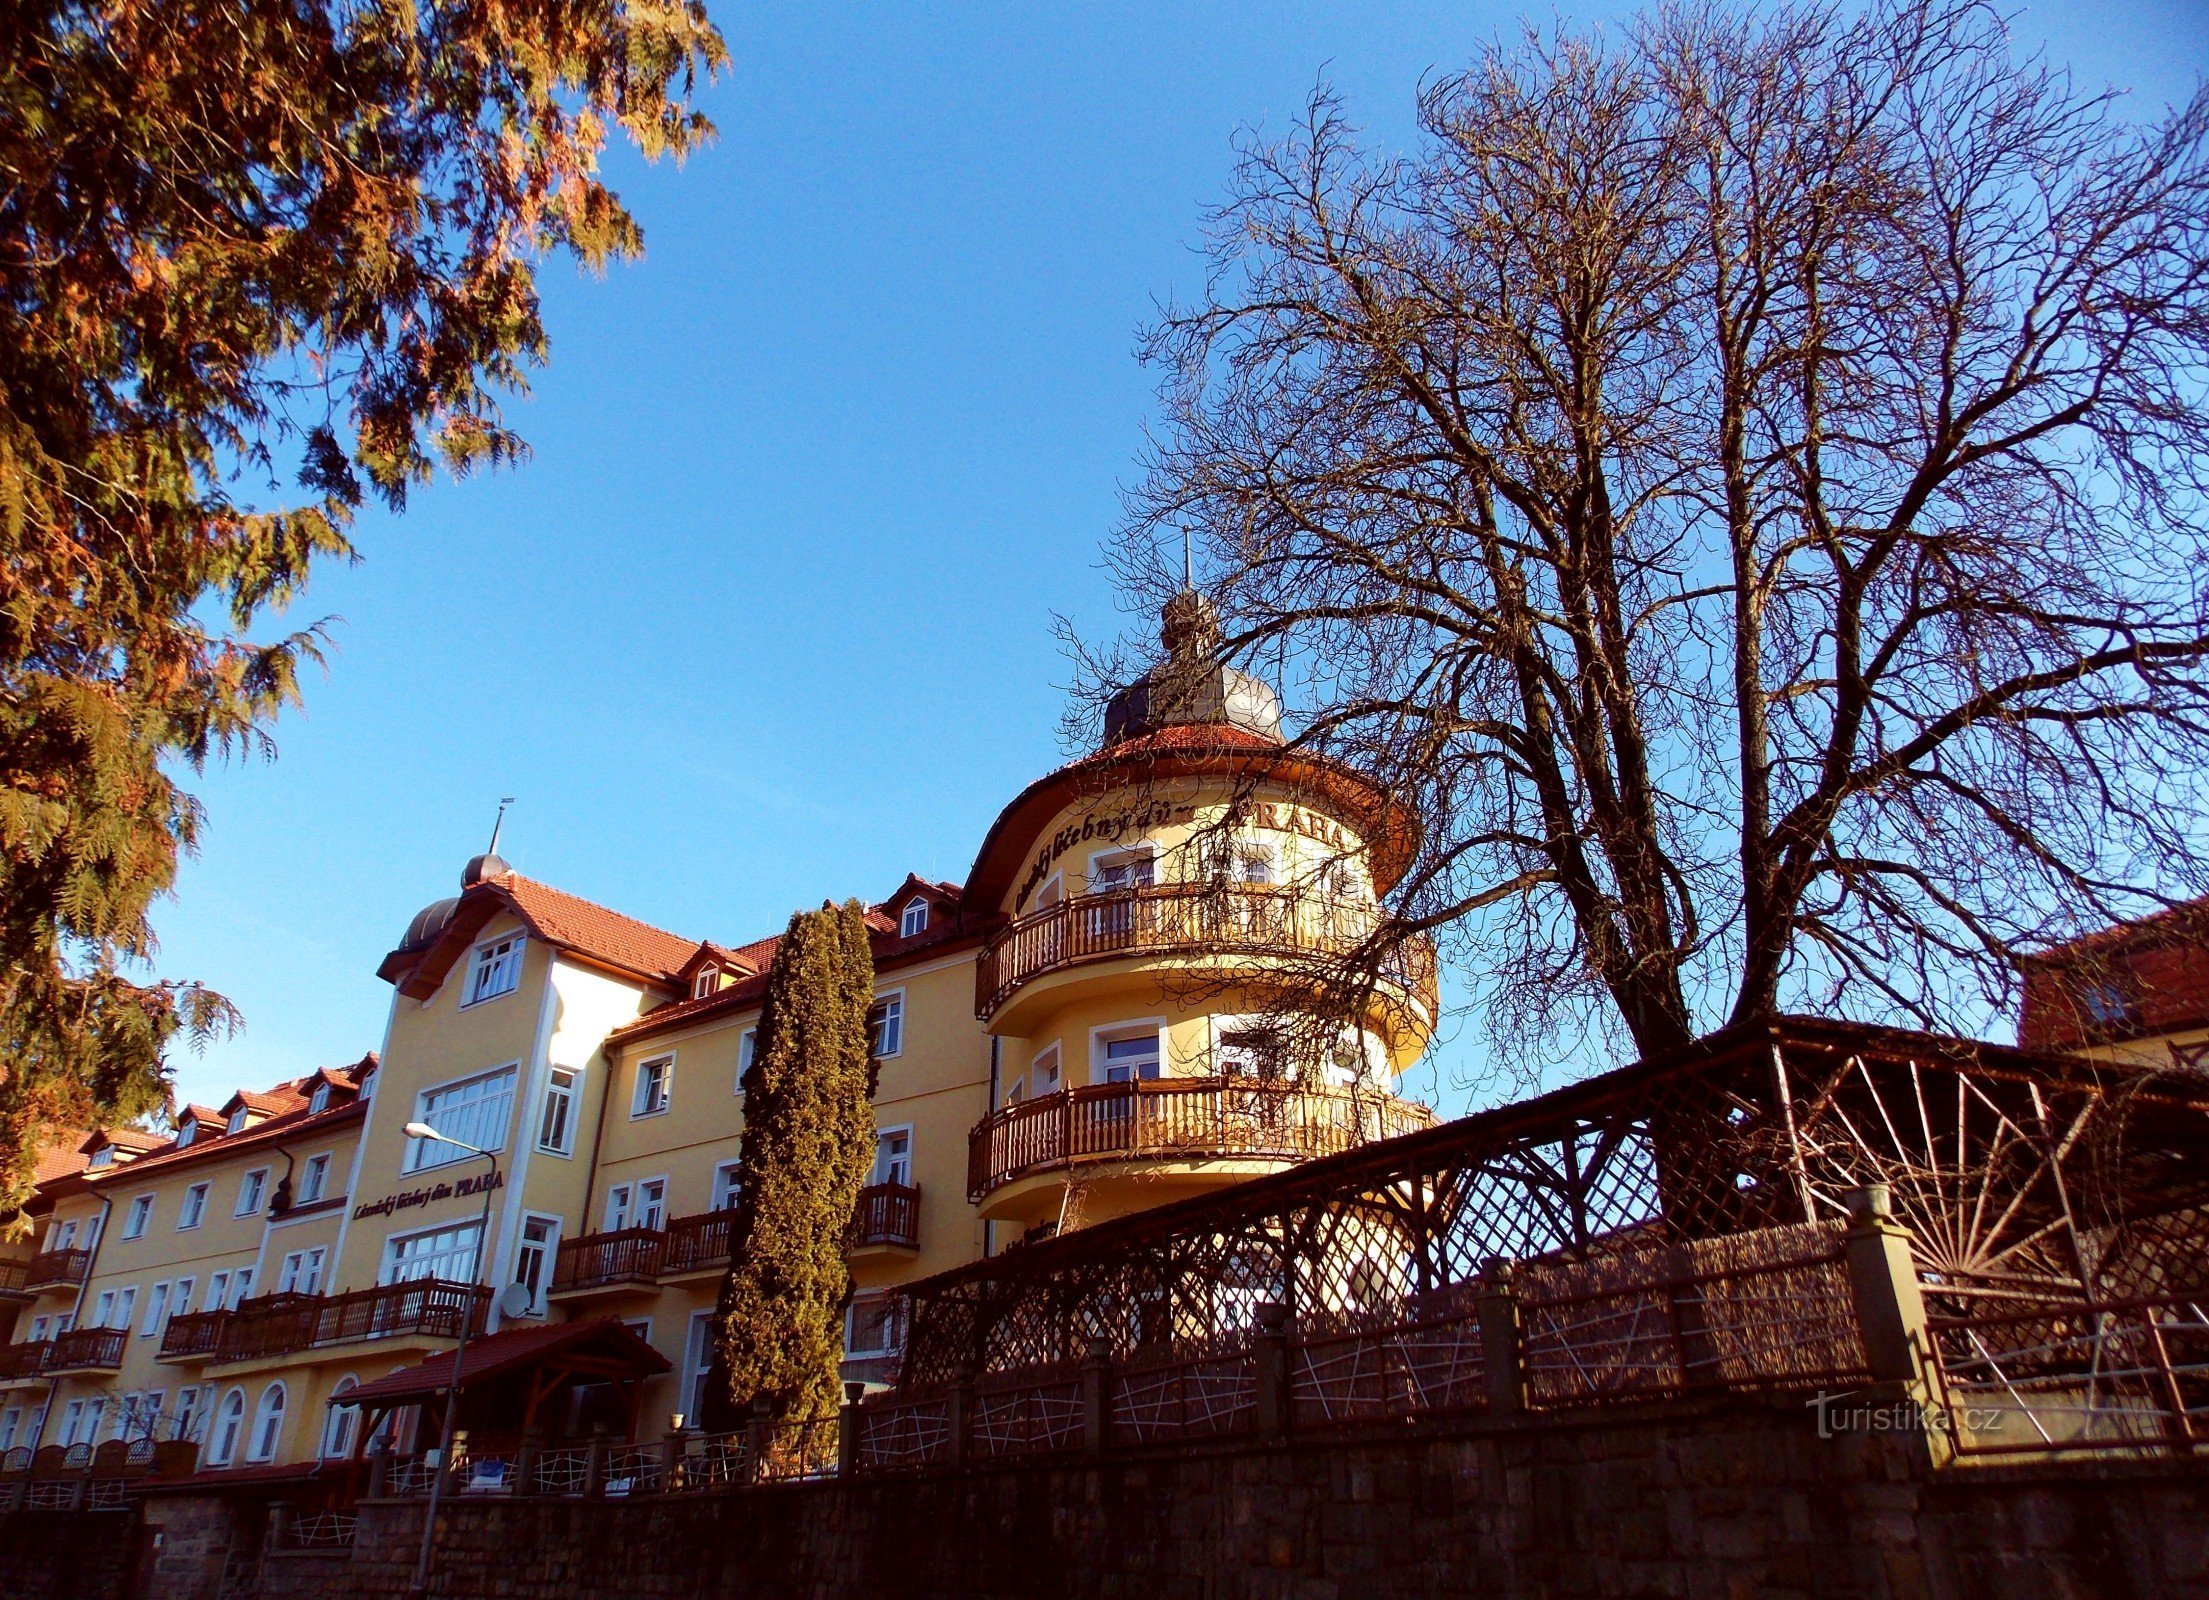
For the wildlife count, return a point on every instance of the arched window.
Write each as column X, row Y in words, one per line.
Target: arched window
column 337, row 1432
column 268, row 1424
column 229, row 1423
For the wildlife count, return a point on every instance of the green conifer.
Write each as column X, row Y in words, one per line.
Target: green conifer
column 808, row 1143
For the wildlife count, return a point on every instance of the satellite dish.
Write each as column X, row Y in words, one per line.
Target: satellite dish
column 515, row 1300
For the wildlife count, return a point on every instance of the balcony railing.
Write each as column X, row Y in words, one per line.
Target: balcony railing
column 282, row 1324
column 602, row 1260
column 58, row 1269
column 1184, row 919
column 194, row 1336
column 25, row 1360
column 15, row 1279
column 887, row 1214
column 697, row 1244
column 1180, row 1118
column 89, row 1350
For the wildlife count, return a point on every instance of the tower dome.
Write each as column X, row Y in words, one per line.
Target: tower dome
column 1192, row 687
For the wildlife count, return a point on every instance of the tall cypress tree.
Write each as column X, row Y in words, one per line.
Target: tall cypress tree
column 808, row 1143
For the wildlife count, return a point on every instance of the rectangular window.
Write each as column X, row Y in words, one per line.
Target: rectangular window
column 725, row 1186
column 251, row 1188
column 149, row 1414
column 1045, row 1071
column 444, row 1253
column 893, row 1156
column 241, row 1285
column 11, row 1423
column 618, row 1198
column 218, row 1292
column 194, row 1208
column 708, row 980
column 181, row 1301
column 125, row 1299
column 188, row 1419
column 140, row 1213
column 652, row 1203
column 914, row 920
column 103, row 1308
column 747, row 1049
column 874, row 1325
column 697, row 1365
column 534, row 1259
column 314, row 1179
column 157, row 1311
column 301, row 1272
column 655, row 1086
column 475, row 1111
column 497, row 969
column 1131, row 1058
column 886, row 1026
column 556, row 1127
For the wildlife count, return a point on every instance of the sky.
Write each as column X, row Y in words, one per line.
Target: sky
column 766, row 617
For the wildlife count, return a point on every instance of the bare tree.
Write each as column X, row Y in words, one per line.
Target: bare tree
column 1742, row 486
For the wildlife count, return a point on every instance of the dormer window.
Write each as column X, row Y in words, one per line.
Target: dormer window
column 497, row 970
column 708, row 980
column 319, row 1101
column 914, row 919
column 187, row 1131
column 102, row 1157
column 236, row 1124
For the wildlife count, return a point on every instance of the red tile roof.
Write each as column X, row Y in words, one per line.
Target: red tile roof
column 510, row 1350
column 593, row 930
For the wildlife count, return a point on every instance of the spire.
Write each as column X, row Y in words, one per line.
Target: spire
column 497, row 823
column 1188, row 562
column 488, row 864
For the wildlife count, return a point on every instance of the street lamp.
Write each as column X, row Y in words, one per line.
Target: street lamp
column 422, row 1130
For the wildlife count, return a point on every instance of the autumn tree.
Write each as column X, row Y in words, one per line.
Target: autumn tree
column 241, row 242
column 1742, row 484
column 807, row 1147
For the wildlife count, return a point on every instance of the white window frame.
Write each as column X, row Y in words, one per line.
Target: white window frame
column 394, row 1244
column 339, row 1425
column 913, row 920
column 484, row 967
column 747, row 1051
column 893, row 1002
column 697, row 1364
column 189, row 1419
column 186, row 1132
column 1051, row 1057
column 894, row 1327
column 638, row 1108
column 881, row 1135
column 252, row 1190
column 426, row 1155
column 193, row 1211
column 270, row 1421
column 620, row 1201
column 314, row 1179
column 319, row 1101
column 725, row 1186
column 157, row 1310
column 567, row 1095
column 181, row 1301
column 236, row 1121
column 241, row 1286
column 659, row 1200
column 705, row 982
column 302, row 1270
column 229, row 1429
column 547, row 1252
column 1101, row 861
column 1117, row 1033
column 139, row 1217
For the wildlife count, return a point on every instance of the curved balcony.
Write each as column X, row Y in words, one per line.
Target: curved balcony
column 1185, row 920
column 1179, row 1119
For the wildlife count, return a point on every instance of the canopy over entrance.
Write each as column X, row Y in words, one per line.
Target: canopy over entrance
column 506, row 1379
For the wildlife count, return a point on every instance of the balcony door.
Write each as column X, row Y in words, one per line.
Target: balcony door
column 893, row 1157
column 1112, row 924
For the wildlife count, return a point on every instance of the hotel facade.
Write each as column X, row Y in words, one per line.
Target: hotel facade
column 1091, row 1024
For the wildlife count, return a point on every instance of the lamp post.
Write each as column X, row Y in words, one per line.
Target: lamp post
column 422, row 1130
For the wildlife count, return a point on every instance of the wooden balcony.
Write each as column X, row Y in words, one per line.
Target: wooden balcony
column 15, row 1281
column 1183, row 920
column 284, row 1324
column 887, row 1217
column 30, row 1359
column 697, row 1244
column 89, row 1350
column 1180, row 1119
column 600, row 1263
column 58, row 1269
column 194, row 1336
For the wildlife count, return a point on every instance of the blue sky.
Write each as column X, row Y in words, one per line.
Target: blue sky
column 766, row 619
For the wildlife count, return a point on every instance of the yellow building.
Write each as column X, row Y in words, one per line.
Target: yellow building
column 1097, row 1021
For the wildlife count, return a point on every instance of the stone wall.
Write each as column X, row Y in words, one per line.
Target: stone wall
column 1740, row 1499
column 68, row 1555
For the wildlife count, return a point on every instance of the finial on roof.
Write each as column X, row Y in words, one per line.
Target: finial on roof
column 488, row 864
